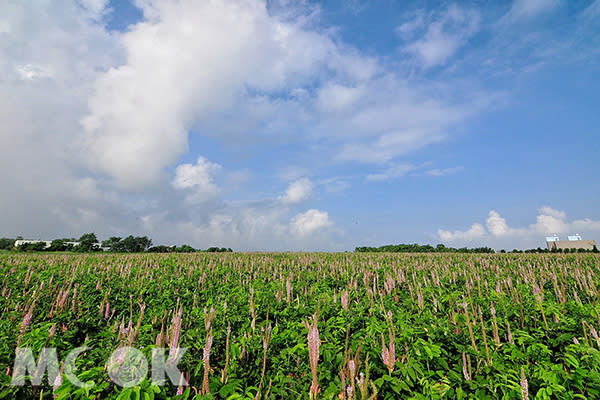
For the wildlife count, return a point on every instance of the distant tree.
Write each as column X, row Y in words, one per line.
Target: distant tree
column 185, row 249
column 38, row 246
column 6, row 243
column 159, row 249
column 440, row 248
column 112, row 243
column 88, row 242
column 143, row 243
column 59, row 245
column 128, row 245
column 417, row 248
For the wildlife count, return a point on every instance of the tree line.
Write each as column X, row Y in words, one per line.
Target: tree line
column 88, row 242
column 440, row 248
column 418, row 248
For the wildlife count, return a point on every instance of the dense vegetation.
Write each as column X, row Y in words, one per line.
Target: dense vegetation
column 440, row 248
column 88, row 242
column 348, row 325
column 421, row 248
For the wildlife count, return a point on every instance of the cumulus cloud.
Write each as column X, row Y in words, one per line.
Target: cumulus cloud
column 47, row 76
column 443, row 37
column 105, row 117
column 199, row 178
column 498, row 233
column 229, row 68
column 476, row 231
column 552, row 212
column 190, row 61
column 336, row 98
column 496, row 225
column 31, row 72
column 137, row 95
column 297, row 192
column 307, row 223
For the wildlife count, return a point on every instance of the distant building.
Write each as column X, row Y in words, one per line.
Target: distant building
column 572, row 242
column 21, row 242
column 47, row 243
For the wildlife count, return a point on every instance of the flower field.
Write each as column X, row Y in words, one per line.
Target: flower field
column 309, row 325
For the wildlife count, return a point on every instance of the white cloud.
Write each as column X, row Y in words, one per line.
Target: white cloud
column 297, row 192
column 292, row 173
column 137, row 117
column 336, row 184
column 396, row 171
column 552, row 212
column 96, row 8
column 309, row 222
column 402, row 169
column 49, row 55
column 190, row 63
column 30, row 72
column 243, row 74
column 199, row 178
column 592, row 11
column 408, row 29
column 477, row 231
column 337, row 98
column 233, row 70
column 548, row 222
column 443, row 171
column 444, row 35
column 496, row 225
column 527, row 9
column 260, row 225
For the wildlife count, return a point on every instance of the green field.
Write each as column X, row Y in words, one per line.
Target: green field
column 389, row 326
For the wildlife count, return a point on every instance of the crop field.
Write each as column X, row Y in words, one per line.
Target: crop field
column 302, row 325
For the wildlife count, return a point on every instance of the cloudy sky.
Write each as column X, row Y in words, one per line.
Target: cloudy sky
column 301, row 125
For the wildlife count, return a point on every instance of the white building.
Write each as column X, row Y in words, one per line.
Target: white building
column 47, row 243
column 572, row 242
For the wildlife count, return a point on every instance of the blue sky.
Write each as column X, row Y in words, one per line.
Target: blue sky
column 301, row 125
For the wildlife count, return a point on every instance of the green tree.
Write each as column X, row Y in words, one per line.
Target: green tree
column 38, row 246
column 111, row 243
column 88, row 242
column 6, row 243
column 185, row 249
column 159, row 249
column 59, row 245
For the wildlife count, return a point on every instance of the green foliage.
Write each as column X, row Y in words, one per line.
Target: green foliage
column 6, row 243
column 129, row 244
column 536, row 313
column 88, row 242
column 417, row 248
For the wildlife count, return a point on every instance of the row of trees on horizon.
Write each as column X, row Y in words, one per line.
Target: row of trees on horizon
column 88, row 242
column 440, row 248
